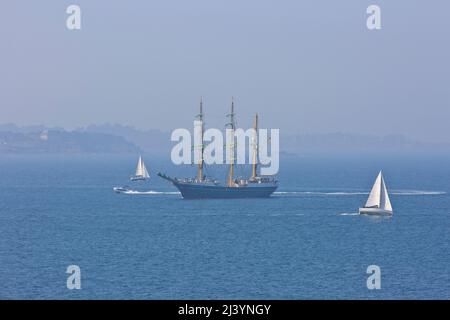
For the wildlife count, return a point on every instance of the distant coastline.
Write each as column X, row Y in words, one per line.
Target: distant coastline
column 121, row 139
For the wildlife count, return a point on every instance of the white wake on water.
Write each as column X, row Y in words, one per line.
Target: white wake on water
column 317, row 193
column 307, row 193
column 417, row 193
column 351, row 193
column 150, row 192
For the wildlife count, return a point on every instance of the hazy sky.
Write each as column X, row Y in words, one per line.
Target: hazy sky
column 306, row 66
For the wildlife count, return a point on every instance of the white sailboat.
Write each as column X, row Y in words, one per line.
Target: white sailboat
column 378, row 202
column 141, row 171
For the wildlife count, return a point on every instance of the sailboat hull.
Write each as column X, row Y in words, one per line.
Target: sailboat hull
column 193, row 191
column 137, row 178
column 375, row 211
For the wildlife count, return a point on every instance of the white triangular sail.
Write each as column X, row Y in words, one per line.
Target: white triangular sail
column 379, row 197
column 139, row 172
column 375, row 194
column 385, row 203
column 144, row 171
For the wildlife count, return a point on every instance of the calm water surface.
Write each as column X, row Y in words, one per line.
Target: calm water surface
column 305, row 242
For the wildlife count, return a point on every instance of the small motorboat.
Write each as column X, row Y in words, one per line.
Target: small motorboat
column 121, row 189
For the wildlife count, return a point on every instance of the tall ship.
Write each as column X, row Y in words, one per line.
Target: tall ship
column 203, row 187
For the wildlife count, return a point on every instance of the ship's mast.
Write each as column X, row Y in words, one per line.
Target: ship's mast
column 255, row 147
column 231, row 126
column 200, row 162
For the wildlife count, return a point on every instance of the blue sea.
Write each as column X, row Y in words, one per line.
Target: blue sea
column 305, row 242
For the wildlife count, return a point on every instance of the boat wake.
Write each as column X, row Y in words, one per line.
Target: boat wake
column 356, row 193
column 150, row 192
column 317, row 193
column 349, row 214
column 417, row 193
column 305, row 193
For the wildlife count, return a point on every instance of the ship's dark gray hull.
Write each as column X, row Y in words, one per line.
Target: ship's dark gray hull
column 199, row 191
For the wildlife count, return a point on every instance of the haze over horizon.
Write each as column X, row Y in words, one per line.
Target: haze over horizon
column 309, row 67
